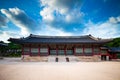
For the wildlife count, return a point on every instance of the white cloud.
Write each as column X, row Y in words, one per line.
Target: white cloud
column 44, row 30
column 63, row 10
column 47, row 15
column 103, row 30
column 20, row 19
column 75, row 16
column 48, row 30
column 5, row 35
column 114, row 19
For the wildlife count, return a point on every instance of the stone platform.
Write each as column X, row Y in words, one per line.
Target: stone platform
column 94, row 58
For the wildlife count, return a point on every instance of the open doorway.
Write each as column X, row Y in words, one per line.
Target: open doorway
column 103, row 57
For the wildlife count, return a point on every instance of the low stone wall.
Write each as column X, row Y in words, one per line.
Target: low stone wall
column 94, row 58
column 34, row 58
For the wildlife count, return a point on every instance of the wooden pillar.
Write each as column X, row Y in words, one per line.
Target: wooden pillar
column 115, row 55
column 99, row 50
column 109, row 54
column 83, row 50
column 48, row 50
column 92, row 49
column 23, row 51
column 57, row 49
column 65, row 50
column 74, row 50
column 30, row 49
column 39, row 50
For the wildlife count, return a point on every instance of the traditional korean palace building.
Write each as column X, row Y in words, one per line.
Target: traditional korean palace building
column 87, row 45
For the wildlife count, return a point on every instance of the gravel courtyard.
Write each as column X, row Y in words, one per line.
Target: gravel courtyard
column 60, row 71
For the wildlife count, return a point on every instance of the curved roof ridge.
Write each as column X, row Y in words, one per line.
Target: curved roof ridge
column 92, row 37
column 58, row 39
column 47, row 36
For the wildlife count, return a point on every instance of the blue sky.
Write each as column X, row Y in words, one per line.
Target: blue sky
column 19, row 18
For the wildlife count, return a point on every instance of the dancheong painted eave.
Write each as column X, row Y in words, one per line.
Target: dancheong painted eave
column 58, row 39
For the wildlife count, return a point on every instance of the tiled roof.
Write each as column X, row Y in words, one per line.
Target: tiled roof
column 3, row 44
column 114, row 49
column 59, row 39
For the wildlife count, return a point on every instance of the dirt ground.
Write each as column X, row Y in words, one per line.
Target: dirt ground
column 60, row 71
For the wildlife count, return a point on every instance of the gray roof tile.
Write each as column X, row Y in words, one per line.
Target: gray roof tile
column 59, row 39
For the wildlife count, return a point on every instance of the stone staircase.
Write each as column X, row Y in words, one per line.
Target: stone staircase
column 54, row 58
column 61, row 59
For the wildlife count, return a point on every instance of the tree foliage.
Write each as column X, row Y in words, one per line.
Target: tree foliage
column 114, row 43
column 3, row 48
column 11, row 50
column 13, row 46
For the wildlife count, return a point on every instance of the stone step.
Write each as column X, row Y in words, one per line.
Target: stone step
column 61, row 59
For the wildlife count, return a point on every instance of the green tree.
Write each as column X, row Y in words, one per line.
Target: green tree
column 13, row 49
column 13, row 46
column 3, row 49
column 114, row 43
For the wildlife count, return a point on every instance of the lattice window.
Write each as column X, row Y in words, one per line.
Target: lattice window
column 34, row 50
column 88, row 50
column 79, row 50
column 43, row 50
